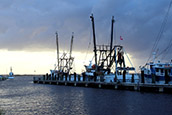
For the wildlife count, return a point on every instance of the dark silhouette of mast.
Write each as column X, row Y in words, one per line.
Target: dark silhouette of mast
column 94, row 39
column 111, row 42
column 57, row 43
column 71, row 44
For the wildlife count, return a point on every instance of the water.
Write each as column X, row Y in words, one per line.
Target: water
column 21, row 97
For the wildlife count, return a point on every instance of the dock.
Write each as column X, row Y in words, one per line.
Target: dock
column 141, row 87
column 2, row 78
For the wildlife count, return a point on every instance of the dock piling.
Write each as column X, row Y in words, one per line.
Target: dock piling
column 167, row 78
column 132, row 78
column 142, row 77
column 83, row 74
column 74, row 76
column 95, row 76
column 124, row 73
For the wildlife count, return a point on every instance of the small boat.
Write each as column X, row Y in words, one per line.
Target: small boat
column 11, row 74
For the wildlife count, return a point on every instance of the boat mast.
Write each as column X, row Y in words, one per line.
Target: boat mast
column 94, row 40
column 71, row 44
column 111, row 43
column 70, row 55
column 57, row 43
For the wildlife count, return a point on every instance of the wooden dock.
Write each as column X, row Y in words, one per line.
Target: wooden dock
column 151, row 87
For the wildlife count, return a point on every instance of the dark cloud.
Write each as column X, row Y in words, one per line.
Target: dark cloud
column 30, row 25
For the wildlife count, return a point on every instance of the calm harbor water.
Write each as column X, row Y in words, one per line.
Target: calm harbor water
column 21, row 96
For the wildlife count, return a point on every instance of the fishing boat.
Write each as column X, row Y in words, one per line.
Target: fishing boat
column 106, row 58
column 157, row 71
column 11, row 74
column 64, row 63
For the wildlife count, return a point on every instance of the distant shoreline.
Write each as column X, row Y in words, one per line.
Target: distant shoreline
column 24, row 75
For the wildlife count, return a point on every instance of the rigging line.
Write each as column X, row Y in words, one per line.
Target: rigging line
column 168, row 49
column 169, row 45
column 129, row 59
column 162, row 26
column 161, row 31
column 89, row 44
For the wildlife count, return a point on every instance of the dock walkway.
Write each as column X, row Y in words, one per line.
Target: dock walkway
column 150, row 87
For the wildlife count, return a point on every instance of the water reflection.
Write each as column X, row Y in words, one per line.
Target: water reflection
column 21, row 97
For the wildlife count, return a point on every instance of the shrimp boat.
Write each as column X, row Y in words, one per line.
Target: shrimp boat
column 106, row 58
column 64, row 63
column 157, row 72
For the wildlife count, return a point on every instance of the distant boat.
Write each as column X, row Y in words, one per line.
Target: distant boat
column 11, row 74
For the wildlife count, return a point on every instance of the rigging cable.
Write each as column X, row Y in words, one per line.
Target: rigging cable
column 89, row 44
column 167, row 49
column 161, row 31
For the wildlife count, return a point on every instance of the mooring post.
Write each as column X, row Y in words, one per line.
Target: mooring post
column 74, row 76
column 83, row 75
column 58, row 77
column 52, row 77
column 43, row 77
column 66, row 74
column 70, row 77
column 49, row 77
column 142, row 77
column 153, row 78
column 115, row 79
column 166, row 77
column 61, row 76
column 46, row 76
column 124, row 73
column 79, row 77
column 55, row 76
column 132, row 78
column 95, row 76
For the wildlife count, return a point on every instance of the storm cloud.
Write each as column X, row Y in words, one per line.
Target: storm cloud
column 31, row 24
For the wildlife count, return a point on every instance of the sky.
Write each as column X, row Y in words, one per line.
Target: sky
column 27, row 31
